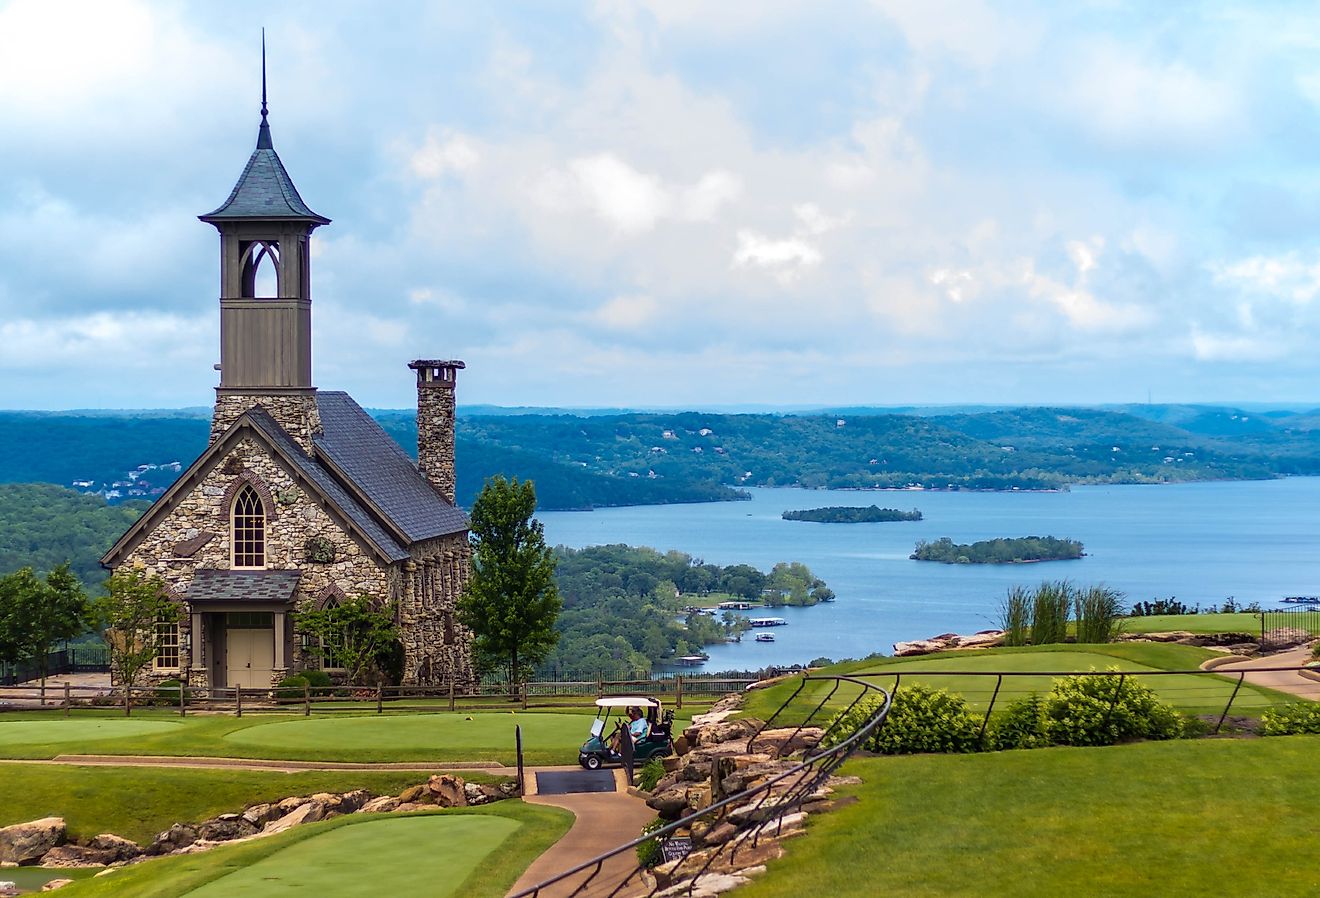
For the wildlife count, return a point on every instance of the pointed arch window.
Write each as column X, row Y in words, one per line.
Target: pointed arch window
column 249, row 529
column 334, row 642
column 261, row 269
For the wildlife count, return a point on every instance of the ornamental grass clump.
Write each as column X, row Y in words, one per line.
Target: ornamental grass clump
column 924, row 720
column 1050, row 607
column 1015, row 616
column 1290, row 720
column 1098, row 611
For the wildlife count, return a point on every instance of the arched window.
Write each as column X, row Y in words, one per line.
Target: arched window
column 249, row 529
column 332, row 644
column 261, row 269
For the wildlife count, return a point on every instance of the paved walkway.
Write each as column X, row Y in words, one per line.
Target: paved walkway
column 605, row 820
column 1289, row 681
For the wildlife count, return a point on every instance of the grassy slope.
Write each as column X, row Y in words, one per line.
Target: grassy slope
column 138, row 802
column 537, row 829
column 1242, row 622
column 1159, row 818
column 548, row 738
column 1193, row 693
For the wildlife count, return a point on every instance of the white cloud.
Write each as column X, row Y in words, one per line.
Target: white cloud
column 444, row 153
column 786, row 258
column 1219, row 347
column 1290, row 276
column 626, row 313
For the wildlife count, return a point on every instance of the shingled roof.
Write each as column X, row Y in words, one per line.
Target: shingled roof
column 361, row 451
column 264, row 191
column 242, row 586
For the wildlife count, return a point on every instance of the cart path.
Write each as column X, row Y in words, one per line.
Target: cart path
column 605, row 820
column 1289, row 681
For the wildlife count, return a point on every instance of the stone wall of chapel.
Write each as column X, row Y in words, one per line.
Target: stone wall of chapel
column 437, row 649
column 297, row 413
column 295, row 517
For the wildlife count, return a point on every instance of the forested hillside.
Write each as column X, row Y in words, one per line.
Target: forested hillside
column 43, row 525
column 641, row 459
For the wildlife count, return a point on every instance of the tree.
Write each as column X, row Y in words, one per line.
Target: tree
column 511, row 601
column 38, row 613
column 133, row 609
column 357, row 634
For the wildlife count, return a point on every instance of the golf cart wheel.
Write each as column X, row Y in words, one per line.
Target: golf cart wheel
column 592, row 762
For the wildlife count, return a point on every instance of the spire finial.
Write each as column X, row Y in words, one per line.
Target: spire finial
column 263, row 133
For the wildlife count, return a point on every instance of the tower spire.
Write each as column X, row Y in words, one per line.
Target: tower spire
column 263, row 133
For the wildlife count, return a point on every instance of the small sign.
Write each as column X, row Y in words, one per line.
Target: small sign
column 676, row 848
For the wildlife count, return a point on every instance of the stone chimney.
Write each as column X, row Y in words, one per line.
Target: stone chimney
column 435, row 422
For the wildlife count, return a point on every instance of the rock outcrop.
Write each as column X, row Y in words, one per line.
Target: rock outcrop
column 25, row 843
column 983, row 639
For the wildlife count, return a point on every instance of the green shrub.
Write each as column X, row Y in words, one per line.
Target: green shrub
column 1104, row 710
column 922, row 720
column 650, row 774
column 291, row 687
column 167, row 691
column 319, row 680
column 648, row 852
column 1290, row 720
column 1022, row 725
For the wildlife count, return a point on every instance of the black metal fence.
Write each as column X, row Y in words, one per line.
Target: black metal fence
column 88, row 658
column 1281, row 628
column 753, row 815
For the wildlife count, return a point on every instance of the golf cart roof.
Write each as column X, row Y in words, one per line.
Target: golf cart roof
column 626, row 701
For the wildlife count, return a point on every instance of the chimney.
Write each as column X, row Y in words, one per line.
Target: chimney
column 435, row 422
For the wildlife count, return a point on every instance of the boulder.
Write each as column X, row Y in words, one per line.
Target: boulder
column 785, row 741
column 725, row 731
column 307, row 812
column 77, row 856
column 226, row 828
column 54, row 884
column 917, row 647
column 448, row 790
column 289, row 804
column 671, row 803
column 409, row 806
column 474, row 794
column 123, row 849
column 352, row 802
column 382, row 805
column 413, row 794
column 261, row 814
column 25, row 843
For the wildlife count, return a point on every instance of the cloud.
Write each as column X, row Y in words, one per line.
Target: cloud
column 627, row 313
column 1288, row 276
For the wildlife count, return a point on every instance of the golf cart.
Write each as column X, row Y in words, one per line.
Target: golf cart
column 596, row 752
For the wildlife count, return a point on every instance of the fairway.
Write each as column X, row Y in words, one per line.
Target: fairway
column 63, row 730
column 430, row 855
column 455, row 733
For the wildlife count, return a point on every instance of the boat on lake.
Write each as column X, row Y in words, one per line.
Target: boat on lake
column 768, row 622
column 765, row 637
column 1302, row 600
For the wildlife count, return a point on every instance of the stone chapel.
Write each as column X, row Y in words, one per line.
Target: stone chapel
column 300, row 499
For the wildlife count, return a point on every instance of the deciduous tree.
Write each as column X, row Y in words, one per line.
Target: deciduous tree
column 511, row 601
column 133, row 609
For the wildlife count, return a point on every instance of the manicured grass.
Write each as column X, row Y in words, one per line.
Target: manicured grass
column 139, row 802
column 1240, row 622
column 548, row 737
column 383, row 853
column 478, row 852
column 956, row 671
column 1184, row 818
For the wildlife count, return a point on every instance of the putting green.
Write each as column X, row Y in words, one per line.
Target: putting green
column 448, row 731
column 429, row 855
column 44, row 732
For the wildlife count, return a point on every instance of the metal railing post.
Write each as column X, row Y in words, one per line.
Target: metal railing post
column 999, row 681
column 1236, row 687
column 517, row 742
column 1122, row 678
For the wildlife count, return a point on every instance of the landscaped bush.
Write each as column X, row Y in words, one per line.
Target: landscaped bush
column 921, row 720
column 317, row 679
column 1021, row 726
column 1290, row 720
column 650, row 774
column 167, row 692
column 1104, row 710
column 291, row 687
column 649, row 853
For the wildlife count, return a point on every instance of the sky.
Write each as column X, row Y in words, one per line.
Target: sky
column 668, row 203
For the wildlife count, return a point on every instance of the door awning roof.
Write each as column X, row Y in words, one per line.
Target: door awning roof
column 247, row 587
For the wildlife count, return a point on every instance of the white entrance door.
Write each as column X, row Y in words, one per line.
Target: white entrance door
column 251, row 658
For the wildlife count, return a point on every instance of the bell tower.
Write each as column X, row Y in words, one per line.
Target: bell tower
column 265, row 294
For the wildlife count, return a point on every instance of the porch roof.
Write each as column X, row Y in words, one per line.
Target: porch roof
column 247, row 587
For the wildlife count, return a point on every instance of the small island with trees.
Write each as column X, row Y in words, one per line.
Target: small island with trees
column 1018, row 550
column 852, row 514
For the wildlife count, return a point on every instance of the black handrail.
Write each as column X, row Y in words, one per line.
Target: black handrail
column 762, row 814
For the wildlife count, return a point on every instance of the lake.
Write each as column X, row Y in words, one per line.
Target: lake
column 1201, row 542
